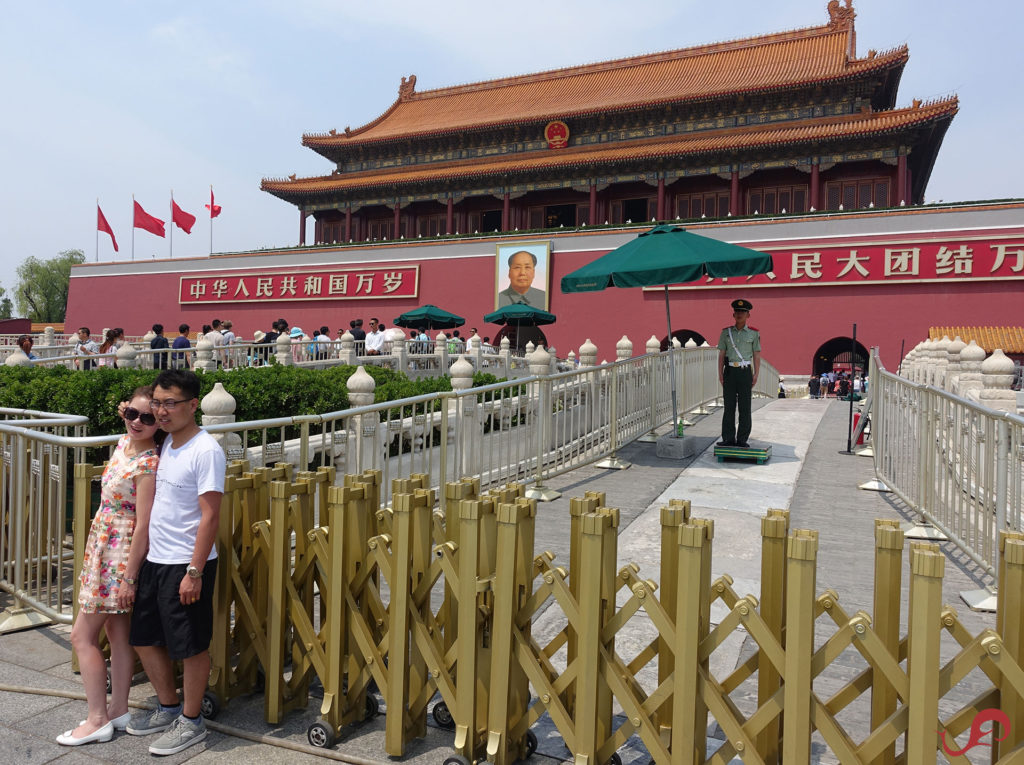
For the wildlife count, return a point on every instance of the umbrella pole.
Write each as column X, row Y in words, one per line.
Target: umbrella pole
column 672, row 365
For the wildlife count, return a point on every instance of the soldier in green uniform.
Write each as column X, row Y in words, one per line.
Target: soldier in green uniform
column 739, row 361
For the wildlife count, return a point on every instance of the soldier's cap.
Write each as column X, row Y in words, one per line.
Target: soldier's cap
column 741, row 305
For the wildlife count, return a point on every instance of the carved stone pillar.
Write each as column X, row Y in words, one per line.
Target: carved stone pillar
column 971, row 358
column 218, row 407
column 997, row 374
column 284, row 350
column 953, row 364
column 623, row 349
column 588, row 354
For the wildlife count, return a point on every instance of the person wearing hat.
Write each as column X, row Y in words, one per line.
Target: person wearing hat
column 739, row 361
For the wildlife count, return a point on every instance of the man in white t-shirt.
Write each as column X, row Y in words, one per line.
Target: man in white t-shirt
column 374, row 339
column 216, row 339
column 173, row 616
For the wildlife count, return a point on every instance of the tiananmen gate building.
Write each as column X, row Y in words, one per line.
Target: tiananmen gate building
column 791, row 143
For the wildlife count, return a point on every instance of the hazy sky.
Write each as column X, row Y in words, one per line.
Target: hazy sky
column 108, row 98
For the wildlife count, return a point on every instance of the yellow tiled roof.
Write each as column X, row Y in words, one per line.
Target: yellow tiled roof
column 753, row 65
column 1009, row 339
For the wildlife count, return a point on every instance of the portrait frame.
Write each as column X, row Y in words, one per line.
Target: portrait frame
column 541, row 251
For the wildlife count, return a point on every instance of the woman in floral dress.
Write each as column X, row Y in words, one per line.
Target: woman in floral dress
column 114, row 553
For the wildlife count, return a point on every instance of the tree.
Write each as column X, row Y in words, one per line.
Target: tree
column 42, row 291
column 6, row 306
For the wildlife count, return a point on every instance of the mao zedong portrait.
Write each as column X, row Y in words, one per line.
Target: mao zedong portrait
column 522, row 267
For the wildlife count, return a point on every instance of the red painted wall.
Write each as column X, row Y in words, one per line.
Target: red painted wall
column 794, row 320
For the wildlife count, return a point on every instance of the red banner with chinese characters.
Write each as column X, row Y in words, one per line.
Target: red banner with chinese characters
column 957, row 259
column 294, row 286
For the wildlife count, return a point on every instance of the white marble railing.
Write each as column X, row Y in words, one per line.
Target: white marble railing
column 965, row 370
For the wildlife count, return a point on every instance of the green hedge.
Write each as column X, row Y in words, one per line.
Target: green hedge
column 260, row 393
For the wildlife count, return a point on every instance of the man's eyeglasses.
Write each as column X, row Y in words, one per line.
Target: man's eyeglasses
column 131, row 414
column 167, row 404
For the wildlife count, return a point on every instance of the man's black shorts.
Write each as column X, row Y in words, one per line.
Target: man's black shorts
column 160, row 619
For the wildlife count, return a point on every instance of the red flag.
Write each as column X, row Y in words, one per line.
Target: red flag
column 183, row 220
column 147, row 222
column 102, row 225
column 213, row 208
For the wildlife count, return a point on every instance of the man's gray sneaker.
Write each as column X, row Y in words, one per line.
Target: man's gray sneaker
column 152, row 721
column 182, row 734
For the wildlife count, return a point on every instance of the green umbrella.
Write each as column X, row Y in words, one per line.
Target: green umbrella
column 520, row 313
column 429, row 316
column 666, row 255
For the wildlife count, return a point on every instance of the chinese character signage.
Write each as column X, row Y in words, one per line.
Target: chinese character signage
column 957, row 259
column 292, row 286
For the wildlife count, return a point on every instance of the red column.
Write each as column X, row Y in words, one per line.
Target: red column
column 901, row 180
column 815, row 187
column 302, row 227
column 505, row 221
column 348, row 222
column 593, row 204
column 661, row 199
column 398, row 218
column 450, row 223
column 734, row 193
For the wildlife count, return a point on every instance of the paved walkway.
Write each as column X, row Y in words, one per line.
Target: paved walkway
column 809, row 473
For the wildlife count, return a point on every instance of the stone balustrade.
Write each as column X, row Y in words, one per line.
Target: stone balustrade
column 963, row 369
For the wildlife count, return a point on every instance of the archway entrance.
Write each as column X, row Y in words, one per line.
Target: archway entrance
column 684, row 336
column 518, row 337
column 840, row 355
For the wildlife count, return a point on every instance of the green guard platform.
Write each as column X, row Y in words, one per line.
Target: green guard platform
column 758, row 452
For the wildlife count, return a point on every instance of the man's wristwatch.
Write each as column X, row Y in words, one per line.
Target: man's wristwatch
column 194, row 573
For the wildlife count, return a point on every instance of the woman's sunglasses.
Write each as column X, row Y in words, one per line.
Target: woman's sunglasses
column 131, row 413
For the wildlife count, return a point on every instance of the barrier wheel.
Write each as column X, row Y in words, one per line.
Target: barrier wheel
column 108, row 680
column 531, row 743
column 443, row 716
column 210, row 705
column 456, row 759
column 372, row 707
column 320, row 735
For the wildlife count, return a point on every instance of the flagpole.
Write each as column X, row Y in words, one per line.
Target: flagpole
column 170, row 236
column 97, row 230
column 211, row 219
column 133, row 227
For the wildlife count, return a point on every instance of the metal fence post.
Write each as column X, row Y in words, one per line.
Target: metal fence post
column 692, row 609
column 1011, row 629
column 612, row 461
column 801, row 577
column 589, row 676
column 774, row 534
column 927, row 565
column 674, row 515
column 542, row 433
column 886, row 623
